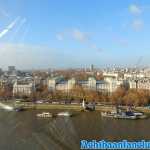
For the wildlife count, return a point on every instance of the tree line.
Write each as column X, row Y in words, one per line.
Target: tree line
column 122, row 95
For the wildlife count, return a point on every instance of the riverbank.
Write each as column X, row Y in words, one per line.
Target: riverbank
column 77, row 107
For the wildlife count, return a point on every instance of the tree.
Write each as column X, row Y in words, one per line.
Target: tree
column 144, row 97
column 91, row 95
column 78, row 92
column 117, row 96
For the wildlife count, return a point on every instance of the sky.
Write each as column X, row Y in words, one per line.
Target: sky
column 38, row 34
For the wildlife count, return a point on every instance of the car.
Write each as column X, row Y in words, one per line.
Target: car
column 39, row 102
column 55, row 102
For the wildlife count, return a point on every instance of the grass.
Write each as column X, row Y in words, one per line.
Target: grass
column 64, row 106
column 53, row 106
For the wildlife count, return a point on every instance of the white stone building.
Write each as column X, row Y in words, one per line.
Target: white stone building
column 20, row 88
column 51, row 83
column 109, row 84
column 58, row 83
column 141, row 84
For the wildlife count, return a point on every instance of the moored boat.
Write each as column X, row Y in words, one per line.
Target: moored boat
column 66, row 114
column 140, row 115
column 107, row 114
column 124, row 116
column 45, row 115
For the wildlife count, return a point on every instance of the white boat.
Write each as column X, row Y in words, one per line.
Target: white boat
column 115, row 115
column 140, row 115
column 45, row 115
column 66, row 114
column 121, row 116
column 124, row 115
column 106, row 114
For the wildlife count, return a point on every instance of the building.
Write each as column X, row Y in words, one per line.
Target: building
column 110, row 75
column 1, row 71
column 108, row 85
column 52, row 82
column 92, row 68
column 12, row 71
column 89, row 84
column 58, row 83
column 134, row 75
column 23, row 88
column 141, row 84
column 11, row 68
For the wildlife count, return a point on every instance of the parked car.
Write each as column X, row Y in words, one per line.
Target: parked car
column 39, row 102
column 55, row 102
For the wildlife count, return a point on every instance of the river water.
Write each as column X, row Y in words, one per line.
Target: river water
column 24, row 131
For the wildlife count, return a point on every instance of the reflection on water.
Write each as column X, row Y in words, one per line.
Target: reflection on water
column 22, row 131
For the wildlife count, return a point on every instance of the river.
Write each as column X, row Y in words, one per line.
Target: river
column 24, row 131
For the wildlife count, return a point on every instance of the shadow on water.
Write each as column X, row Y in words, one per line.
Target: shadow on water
column 63, row 133
column 23, row 130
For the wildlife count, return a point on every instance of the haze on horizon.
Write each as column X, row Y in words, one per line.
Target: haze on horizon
column 45, row 34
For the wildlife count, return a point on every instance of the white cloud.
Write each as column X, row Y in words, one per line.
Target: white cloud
column 85, row 39
column 137, row 24
column 75, row 34
column 135, row 9
column 79, row 36
column 60, row 36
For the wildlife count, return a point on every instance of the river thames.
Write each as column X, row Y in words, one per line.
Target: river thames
column 24, row 131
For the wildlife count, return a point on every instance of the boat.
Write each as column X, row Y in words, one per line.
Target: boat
column 140, row 115
column 106, row 114
column 119, row 115
column 45, row 115
column 125, row 116
column 109, row 114
column 65, row 114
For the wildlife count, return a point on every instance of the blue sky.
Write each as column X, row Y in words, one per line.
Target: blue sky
column 74, row 33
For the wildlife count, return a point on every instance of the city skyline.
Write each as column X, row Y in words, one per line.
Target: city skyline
column 70, row 34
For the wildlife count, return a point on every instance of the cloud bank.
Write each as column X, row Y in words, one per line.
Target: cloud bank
column 26, row 56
